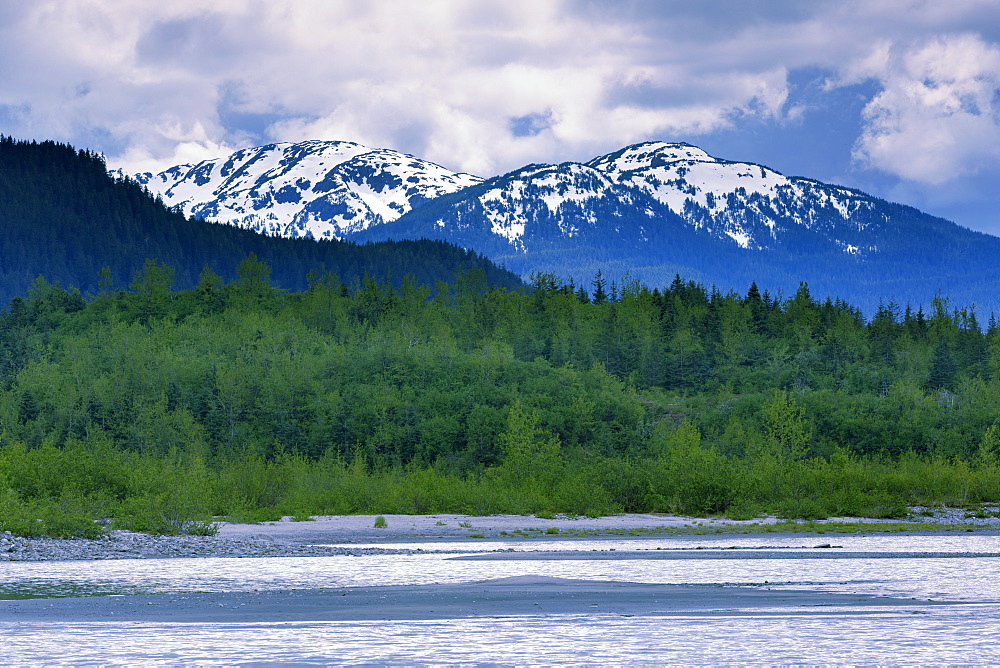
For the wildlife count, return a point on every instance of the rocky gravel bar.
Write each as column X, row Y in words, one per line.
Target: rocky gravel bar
column 132, row 545
column 333, row 535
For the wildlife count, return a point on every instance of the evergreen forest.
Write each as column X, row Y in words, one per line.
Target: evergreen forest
column 158, row 409
column 66, row 218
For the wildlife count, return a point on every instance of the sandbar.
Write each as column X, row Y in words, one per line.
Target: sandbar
column 503, row 597
column 402, row 528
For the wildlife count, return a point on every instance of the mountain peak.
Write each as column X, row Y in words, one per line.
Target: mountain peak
column 650, row 154
column 315, row 188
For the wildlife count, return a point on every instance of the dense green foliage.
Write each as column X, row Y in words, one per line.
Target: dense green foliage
column 158, row 409
column 64, row 217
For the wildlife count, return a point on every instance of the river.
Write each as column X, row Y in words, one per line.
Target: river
column 958, row 568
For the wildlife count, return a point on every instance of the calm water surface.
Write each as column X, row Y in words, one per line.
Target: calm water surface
column 943, row 634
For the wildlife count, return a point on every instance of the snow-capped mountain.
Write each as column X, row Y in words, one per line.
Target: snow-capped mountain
column 651, row 210
column 323, row 189
column 649, row 195
column 541, row 205
column 658, row 209
column 748, row 203
column 318, row 189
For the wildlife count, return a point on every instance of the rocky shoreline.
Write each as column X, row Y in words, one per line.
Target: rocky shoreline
column 132, row 545
column 314, row 539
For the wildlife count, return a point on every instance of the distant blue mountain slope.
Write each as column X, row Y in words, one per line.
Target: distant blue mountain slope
column 652, row 210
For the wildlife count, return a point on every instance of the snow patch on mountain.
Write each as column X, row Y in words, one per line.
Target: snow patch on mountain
column 643, row 192
column 317, row 189
column 566, row 200
column 745, row 202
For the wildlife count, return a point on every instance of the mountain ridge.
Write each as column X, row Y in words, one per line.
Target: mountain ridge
column 352, row 187
column 655, row 209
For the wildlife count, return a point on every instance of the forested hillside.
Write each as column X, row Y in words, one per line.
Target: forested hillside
column 62, row 216
column 158, row 409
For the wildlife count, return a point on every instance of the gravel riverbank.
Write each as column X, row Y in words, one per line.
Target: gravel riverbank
column 334, row 535
column 130, row 545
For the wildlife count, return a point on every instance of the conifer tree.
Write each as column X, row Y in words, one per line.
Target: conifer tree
column 600, row 284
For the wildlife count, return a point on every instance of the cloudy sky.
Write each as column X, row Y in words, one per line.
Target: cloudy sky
column 900, row 98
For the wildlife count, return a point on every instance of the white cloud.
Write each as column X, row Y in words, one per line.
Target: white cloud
column 937, row 117
column 450, row 89
column 442, row 79
column 139, row 159
column 152, row 84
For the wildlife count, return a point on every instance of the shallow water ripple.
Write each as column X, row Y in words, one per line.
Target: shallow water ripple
column 966, row 635
column 954, row 578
